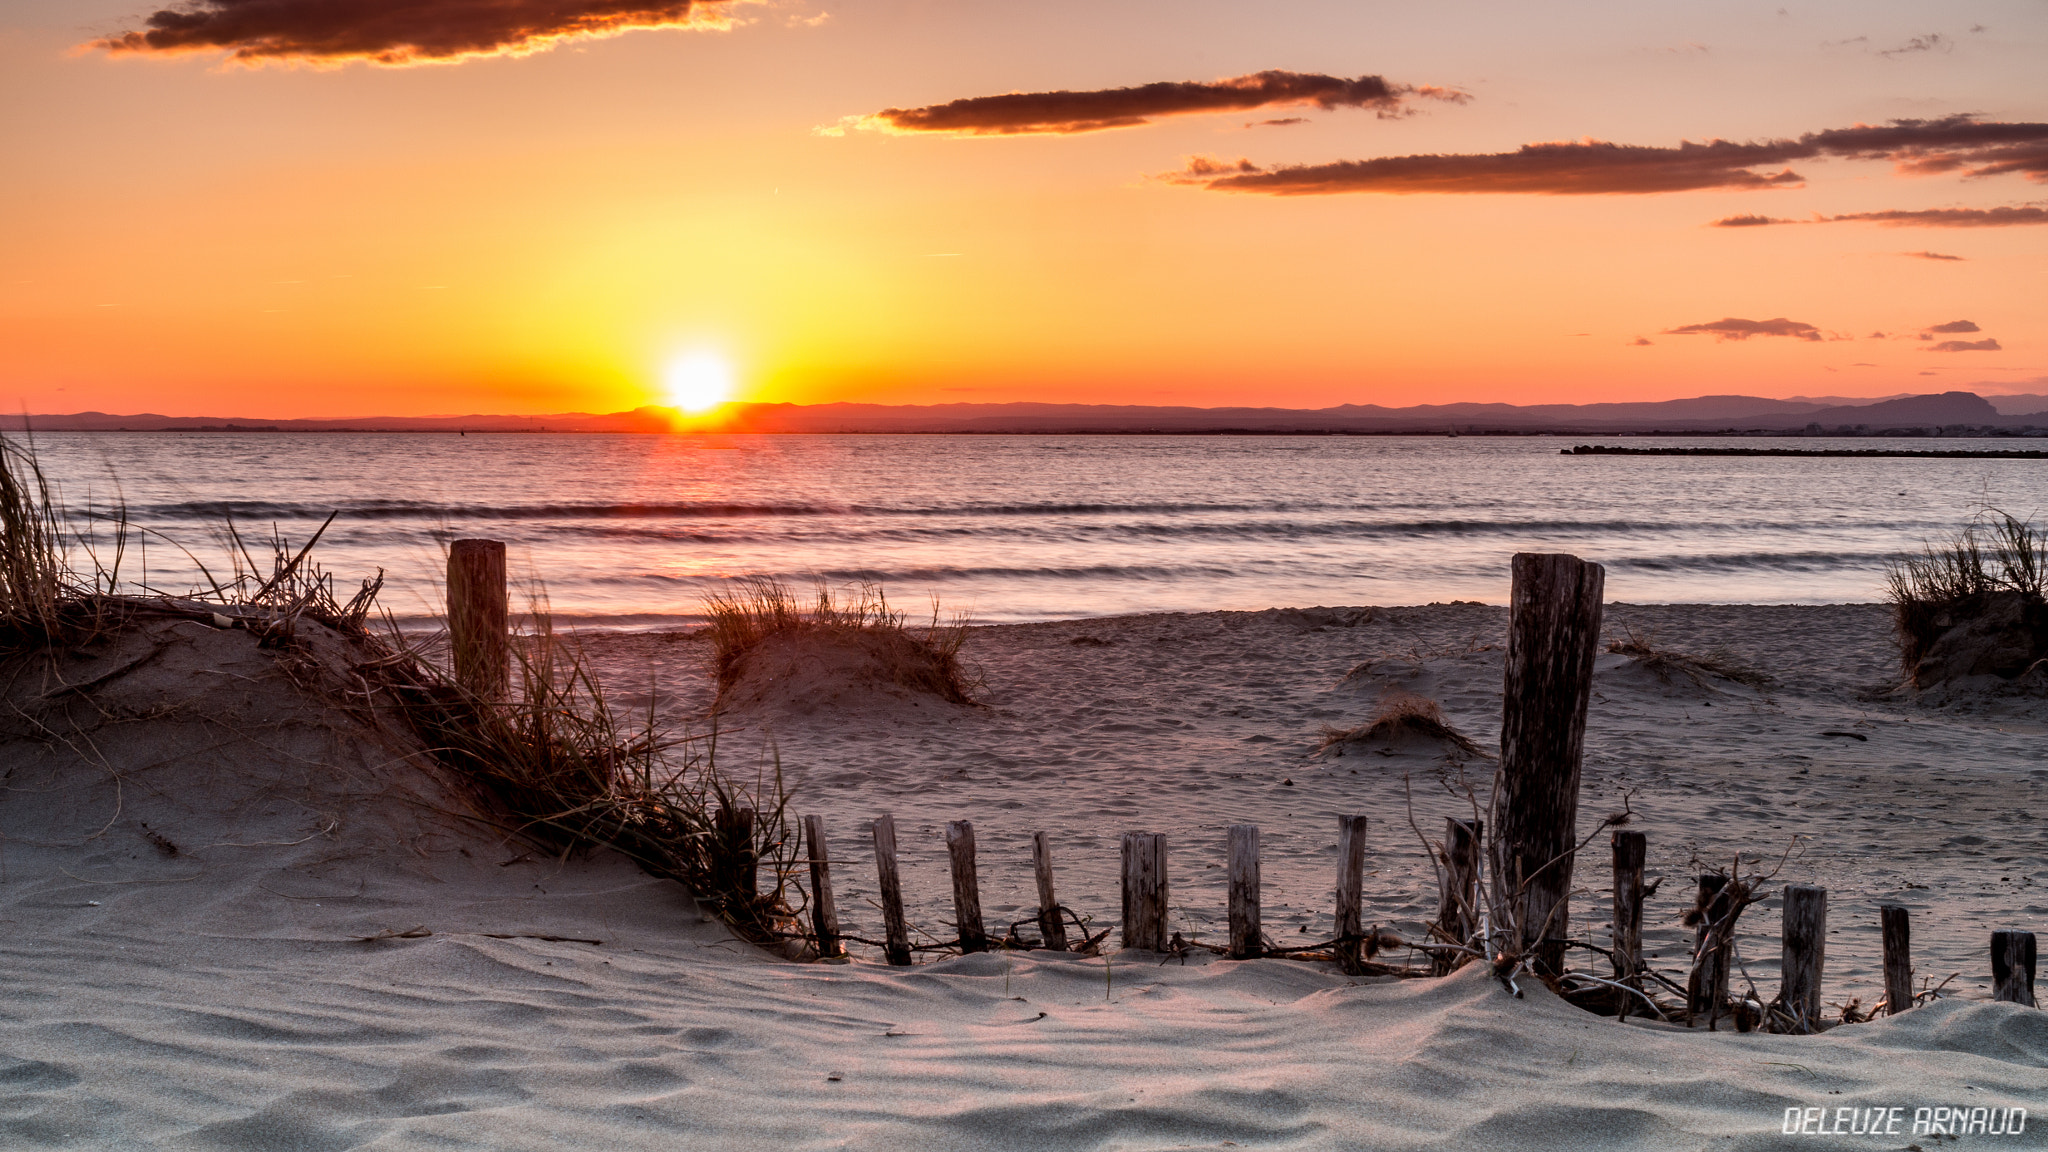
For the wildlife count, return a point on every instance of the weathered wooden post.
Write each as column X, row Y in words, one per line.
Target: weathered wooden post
column 1457, row 910
column 1706, row 988
column 1804, row 952
column 896, row 946
column 1051, row 925
column 824, row 913
column 2012, row 967
column 1898, row 958
column 736, row 867
column 1243, row 866
column 1629, row 850
column 1553, row 633
column 966, row 887
column 478, row 618
column 1350, row 893
column 1145, row 891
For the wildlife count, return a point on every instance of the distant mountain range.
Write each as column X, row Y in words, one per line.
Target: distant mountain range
column 1951, row 412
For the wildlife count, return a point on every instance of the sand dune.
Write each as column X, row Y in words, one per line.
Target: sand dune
column 220, row 997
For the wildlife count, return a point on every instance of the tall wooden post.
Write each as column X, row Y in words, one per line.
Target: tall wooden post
column 1553, row 634
column 1457, row 909
column 1145, row 891
column 1245, row 940
column 1898, row 958
column 824, row 913
column 896, row 930
column 736, row 868
column 1629, row 851
column 2012, row 967
column 1052, row 927
column 1804, row 952
column 478, row 618
column 1706, row 988
column 1350, row 893
column 966, row 887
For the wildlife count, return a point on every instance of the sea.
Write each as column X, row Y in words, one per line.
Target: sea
column 634, row 531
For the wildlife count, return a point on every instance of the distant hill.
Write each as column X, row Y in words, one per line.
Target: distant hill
column 1908, row 415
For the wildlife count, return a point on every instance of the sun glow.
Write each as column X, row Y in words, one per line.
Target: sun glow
column 699, row 382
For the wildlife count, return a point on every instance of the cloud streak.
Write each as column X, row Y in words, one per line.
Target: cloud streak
column 1064, row 112
column 1957, row 144
column 2005, row 216
column 1985, row 345
column 393, row 32
column 1735, row 328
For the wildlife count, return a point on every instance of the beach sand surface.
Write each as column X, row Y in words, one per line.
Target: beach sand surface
column 326, row 952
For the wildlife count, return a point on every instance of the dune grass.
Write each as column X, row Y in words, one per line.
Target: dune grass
column 1996, row 552
column 1402, row 714
column 555, row 764
column 1667, row 664
column 757, row 609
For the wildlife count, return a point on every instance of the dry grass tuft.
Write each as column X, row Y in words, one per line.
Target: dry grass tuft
column 759, row 608
column 1668, row 664
column 1402, row 714
column 1923, row 588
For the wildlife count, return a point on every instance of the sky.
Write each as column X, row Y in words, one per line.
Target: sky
column 287, row 208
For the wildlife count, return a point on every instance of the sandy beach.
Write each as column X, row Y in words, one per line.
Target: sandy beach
column 220, row 992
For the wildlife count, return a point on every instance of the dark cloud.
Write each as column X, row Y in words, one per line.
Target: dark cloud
column 1282, row 122
column 1955, row 328
column 393, row 31
column 1734, row 328
column 2006, row 216
column 1986, row 345
column 1026, row 113
column 1932, row 42
column 1958, row 144
column 1932, row 256
column 1589, row 167
column 1750, row 220
column 1641, row 342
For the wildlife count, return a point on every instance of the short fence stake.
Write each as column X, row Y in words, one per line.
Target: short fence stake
column 1457, row 910
column 824, row 914
column 2012, row 967
column 1707, row 987
column 897, row 930
column 1245, row 941
column 1804, row 952
column 1051, row 925
column 1350, row 893
column 1898, row 958
column 966, row 888
column 1145, row 891
column 1629, row 850
column 478, row 618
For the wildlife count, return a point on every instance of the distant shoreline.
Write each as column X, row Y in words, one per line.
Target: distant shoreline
column 1936, row 453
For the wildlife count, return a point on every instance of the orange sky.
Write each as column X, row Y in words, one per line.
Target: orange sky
column 545, row 232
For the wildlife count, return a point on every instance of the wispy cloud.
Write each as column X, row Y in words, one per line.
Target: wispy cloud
column 1986, row 345
column 1065, row 112
column 2005, row 216
column 1735, row 328
column 1933, row 256
column 393, row 32
column 1955, row 328
column 1958, row 144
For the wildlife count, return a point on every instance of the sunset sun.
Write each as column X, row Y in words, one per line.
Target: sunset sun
column 699, row 382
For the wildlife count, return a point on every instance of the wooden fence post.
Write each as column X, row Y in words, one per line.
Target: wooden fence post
column 1898, row 958
column 1553, row 634
column 1804, row 952
column 1707, row 987
column 1145, row 891
column 824, row 913
column 736, row 867
column 1245, row 941
column 1051, row 925
column 478, row 618
column 2012, row 967
column 896, row 929
column 966, row 887
column 1629, row 850
column 1457, row 910
column 1350, row 893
